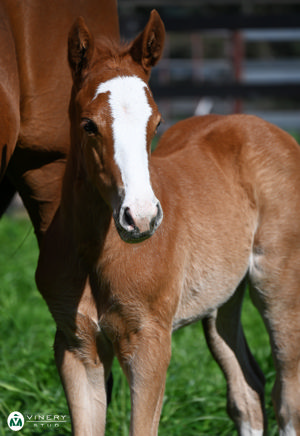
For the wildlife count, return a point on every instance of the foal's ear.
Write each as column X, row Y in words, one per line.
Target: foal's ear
column 147, row 48
column 80, row 47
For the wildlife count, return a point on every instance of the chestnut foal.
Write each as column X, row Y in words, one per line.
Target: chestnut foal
column 144, row 245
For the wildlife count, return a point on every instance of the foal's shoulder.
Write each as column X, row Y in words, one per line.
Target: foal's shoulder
column 181, row 134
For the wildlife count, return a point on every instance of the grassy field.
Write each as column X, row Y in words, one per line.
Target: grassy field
column 195, row 398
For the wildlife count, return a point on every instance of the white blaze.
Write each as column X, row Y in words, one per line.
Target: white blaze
column 131, row 112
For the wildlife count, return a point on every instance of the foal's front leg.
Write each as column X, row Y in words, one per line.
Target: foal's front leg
column 144, row 357
column 84, row 368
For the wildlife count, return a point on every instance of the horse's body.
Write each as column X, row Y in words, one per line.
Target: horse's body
column 229, row 192
column 35, row 89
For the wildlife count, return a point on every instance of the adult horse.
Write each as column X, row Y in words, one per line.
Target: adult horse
column 143, row 245
column 35, row 88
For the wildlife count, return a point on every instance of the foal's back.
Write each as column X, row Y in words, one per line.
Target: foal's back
column 246, row 150
column 236, row 180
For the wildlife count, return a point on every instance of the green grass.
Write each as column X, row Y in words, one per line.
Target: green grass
column 195, row 398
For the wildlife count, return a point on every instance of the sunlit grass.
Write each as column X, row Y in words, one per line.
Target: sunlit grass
column 195, row 398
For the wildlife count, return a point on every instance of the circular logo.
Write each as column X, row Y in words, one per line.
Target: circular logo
column 15, row 421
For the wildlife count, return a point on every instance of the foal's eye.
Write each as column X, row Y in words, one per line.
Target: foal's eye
column 89, row 126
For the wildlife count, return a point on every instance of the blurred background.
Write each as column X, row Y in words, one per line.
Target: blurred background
column 225, row 56
column 221, row 56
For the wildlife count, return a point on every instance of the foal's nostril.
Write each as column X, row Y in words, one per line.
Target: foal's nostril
column 128, row 218
column 159, row 215
column 140, row 223
column 156, row 220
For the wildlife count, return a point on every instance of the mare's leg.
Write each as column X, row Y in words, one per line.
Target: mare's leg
column 245, row 381
column 276, row 293
column 84, row 366
column 7, row 192
column 38, row 179
column 9, row 131
column 9, row 94
column 144, row 357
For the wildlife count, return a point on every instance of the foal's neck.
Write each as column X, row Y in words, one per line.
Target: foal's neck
column 84, row 211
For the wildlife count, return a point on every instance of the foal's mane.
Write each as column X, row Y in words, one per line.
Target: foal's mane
column 110, row 51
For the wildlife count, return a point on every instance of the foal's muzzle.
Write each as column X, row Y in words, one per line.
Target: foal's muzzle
column 136, row 227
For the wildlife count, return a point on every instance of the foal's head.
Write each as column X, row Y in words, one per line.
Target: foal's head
column 114, row 121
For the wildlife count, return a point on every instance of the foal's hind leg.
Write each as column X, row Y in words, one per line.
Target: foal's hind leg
column 276, row 293
column 245, row 381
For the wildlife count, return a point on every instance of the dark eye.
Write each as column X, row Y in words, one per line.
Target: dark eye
column 89, row 126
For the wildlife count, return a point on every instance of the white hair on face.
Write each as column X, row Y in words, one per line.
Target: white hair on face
column 130, row 111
